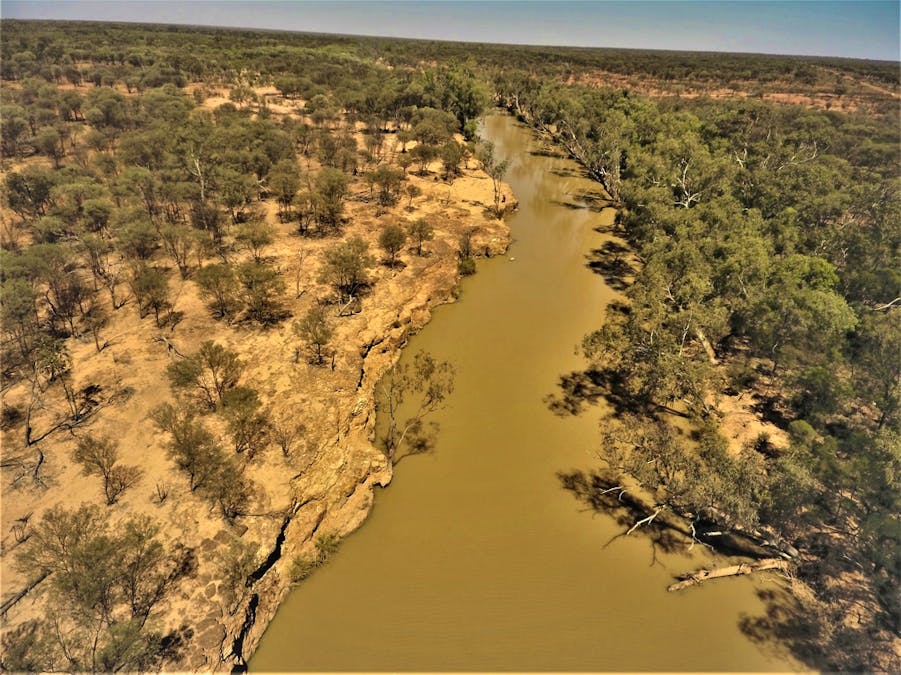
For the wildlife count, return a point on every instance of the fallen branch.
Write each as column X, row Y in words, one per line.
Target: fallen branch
column 348, row 304
column 169, row 346
column 644, row 521
column 8, row 604
column 702, row 575
column 887, row 305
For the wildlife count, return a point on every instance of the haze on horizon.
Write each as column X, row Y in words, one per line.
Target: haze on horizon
column 867, row 29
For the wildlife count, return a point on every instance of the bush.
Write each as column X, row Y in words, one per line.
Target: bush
column 304, row 565
column 467, row 267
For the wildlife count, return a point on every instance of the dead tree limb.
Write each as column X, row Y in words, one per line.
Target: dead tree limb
column 8, row 604
column 887, row 305
column 702, row 575
column 645, row 521
column 169, row 346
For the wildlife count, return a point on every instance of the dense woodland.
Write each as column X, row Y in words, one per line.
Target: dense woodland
column 765, row 260
column 766, row 245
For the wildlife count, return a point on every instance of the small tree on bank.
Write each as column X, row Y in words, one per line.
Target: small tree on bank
column 496, row 169
column 346, row 265
column 428, row 379
column 210, row 372
column 315, row 330
column 420, row 231
column 392, row 239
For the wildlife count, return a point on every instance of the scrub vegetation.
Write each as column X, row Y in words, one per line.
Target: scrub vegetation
column 195, row 320
column 187, row 212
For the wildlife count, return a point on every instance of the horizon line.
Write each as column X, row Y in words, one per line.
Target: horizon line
column 256, row 29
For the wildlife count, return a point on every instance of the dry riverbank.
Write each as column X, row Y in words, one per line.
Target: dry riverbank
column 323, row 485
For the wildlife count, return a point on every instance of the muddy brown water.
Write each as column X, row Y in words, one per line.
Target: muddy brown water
column 475, row 558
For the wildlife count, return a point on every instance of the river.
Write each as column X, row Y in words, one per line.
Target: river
column 476, row 558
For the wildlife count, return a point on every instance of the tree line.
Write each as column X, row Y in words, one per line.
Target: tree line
column 766, row 244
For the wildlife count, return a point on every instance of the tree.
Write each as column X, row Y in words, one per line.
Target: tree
column 315, row 330
column 236, row 563
column 18, row 312
column 800, row 317
column 254, row 236
column 51, row 361
column 389, row 180
column 404, row 161
column 262, row 287
column 48, row 362
column 182, row 242
column 49, row 143
column 331, row 188
column 420, row 231
column 95, row 318
column 286, row 430
column 236, row 191
column 496, row 170
column 28, row 192
column 211, row 372
column 307, row 205
column 219, row 286
column 105, row 107
column 229, row 491
column 191, row 446
column 138, row 238
column 151, row 290
column 424, row 154
column 458, row 90
column 428, row 379
column 247, row 424
column 284, row 181
column 877, row 372
column 392, row 239
column 451, row 154
column 96, row 214
column 99, row 457
column 103, row 583
column 345, row 266
column 413, row 191
column 242, row 94
column 15, row 126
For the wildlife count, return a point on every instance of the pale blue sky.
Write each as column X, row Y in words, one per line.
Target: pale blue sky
column 860, row 29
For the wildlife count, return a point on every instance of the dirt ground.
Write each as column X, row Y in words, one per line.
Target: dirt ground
column 325, row 484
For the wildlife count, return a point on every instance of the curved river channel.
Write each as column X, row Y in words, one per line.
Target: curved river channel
column 476, row 557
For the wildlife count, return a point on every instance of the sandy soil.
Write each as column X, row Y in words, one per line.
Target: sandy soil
column 335, row 465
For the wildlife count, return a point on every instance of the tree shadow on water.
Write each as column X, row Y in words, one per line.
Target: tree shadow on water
column 600, row 492
column 610, row 262
column 581, row 388
column 420, row 441
column 573, row 206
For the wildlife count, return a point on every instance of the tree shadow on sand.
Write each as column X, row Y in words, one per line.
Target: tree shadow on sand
column 837, row 630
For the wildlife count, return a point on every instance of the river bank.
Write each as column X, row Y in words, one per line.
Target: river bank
column 333, row 494
column 478, row 557
column 321, row 484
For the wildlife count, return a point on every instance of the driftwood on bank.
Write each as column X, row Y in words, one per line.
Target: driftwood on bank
column 702, row 575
